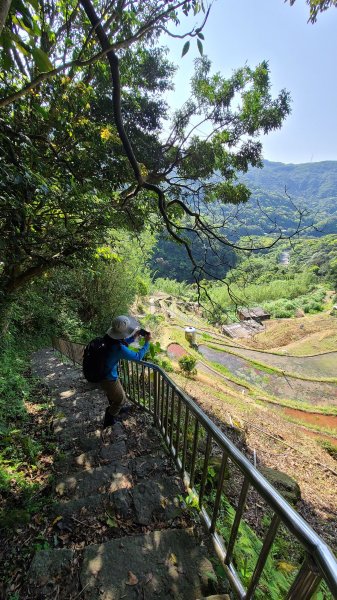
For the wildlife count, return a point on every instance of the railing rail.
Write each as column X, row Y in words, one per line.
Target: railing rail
column 193, row 441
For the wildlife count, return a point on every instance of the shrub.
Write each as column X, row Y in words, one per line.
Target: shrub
column 166, row 364
column 187, row 364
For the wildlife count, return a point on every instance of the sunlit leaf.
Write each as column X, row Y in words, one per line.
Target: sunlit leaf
column 41, row 60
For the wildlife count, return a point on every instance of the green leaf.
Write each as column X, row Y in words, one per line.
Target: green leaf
column 200, row 35
column 111, row 522
column 200, row 47
column 34, row 4
column 41, row 60
column 186, row 48
column 21, row 8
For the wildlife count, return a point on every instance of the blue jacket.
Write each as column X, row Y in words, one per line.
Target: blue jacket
column 119, row 351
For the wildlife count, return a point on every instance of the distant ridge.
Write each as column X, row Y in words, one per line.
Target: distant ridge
column 307, row 181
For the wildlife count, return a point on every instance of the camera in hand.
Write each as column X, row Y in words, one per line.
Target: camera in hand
column 143, row 332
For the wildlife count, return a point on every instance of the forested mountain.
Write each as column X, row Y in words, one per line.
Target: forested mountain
column 310, row 181
column 283, row 190
column 285, row 199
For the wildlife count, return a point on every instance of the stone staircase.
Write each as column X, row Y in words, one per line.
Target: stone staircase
column 117, row 527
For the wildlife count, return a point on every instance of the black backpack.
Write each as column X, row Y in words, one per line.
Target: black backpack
column 94, row 358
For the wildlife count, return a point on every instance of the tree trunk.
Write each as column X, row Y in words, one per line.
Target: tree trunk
column 4, row 10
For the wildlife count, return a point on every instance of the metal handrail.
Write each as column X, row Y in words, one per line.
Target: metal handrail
column 166, row 402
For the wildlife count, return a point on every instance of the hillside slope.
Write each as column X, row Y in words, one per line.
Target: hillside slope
column 285, row 198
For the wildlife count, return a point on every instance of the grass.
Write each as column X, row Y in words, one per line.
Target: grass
column 277, row 290
column 311, row 426
column 237, row 345
column 286, row 403
column 303, row 336
column 298, row 405
column 305, row 348
column 329, row 447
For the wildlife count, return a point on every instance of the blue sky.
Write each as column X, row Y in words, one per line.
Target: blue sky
column 302, row 58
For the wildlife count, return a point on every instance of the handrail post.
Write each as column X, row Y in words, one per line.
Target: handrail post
column 306, row 582
column 155, row 397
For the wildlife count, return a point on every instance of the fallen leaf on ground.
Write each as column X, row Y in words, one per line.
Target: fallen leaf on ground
column 133, row 580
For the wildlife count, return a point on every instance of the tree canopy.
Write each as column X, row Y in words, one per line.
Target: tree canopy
column 83, row 149
column 317, row 6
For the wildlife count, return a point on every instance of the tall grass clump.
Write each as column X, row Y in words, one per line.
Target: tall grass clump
column 282, row 297
column 174, row 288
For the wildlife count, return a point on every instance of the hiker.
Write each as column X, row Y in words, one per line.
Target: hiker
column 123, row 331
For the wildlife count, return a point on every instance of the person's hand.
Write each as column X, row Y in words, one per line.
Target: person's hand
column 147, row 337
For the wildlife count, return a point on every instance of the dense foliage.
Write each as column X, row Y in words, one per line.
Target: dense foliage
column 81, row 150
column 282, row 289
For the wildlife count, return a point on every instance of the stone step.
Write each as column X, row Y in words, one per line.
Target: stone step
column 105, row 479
column 118, row 528
column 108, row 468
column 105, row 516
column 68, row 402
column 162, row 564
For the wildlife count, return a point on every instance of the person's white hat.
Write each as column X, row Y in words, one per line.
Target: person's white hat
column 123, row 327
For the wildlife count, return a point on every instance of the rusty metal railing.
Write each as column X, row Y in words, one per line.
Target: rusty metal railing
column 222, row 496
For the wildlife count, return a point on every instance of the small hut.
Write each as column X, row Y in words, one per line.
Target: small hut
column 257, row 314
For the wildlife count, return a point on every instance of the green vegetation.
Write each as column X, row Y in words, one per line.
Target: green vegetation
column 268, row 368
column 283, row 290
column 24, row 436
column 276, row 578
column 329, row 447
column 187, row 364
column 88, row 185
column 180, row 289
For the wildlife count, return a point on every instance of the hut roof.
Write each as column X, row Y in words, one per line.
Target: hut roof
column 253, row 313
column 242, row 330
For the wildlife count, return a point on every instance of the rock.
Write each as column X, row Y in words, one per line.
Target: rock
column 286, row 485
column 101, row 479
column 299, row 313
column 155, row 500
column 113, row 452
column 91, row 504
column 47, row 571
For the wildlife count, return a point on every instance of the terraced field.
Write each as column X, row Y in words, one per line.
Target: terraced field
column 282, row 386
column 320, row 366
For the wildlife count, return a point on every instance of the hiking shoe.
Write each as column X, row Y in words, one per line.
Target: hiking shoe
column 109, row 420
column 125, row 410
